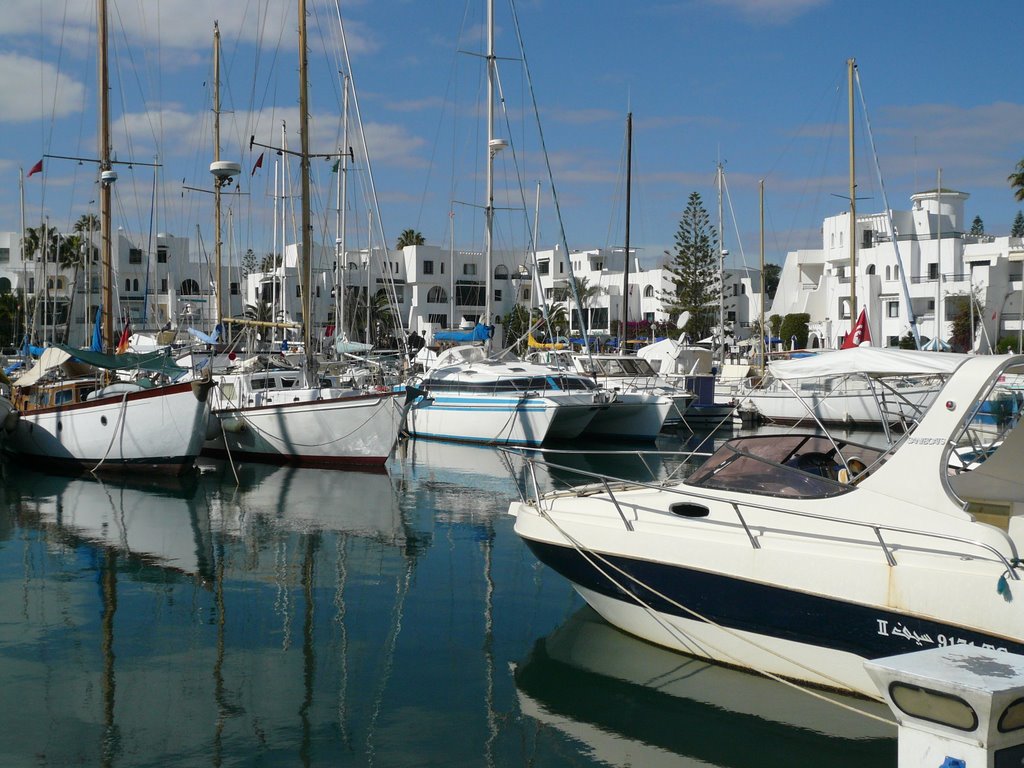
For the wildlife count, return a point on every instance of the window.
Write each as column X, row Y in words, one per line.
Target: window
column 5, row 285
column 844, row 309
column 933, row 271
column 526, row 294
column 428, row 267
column 469, row 269
column 127, row 285
column 233, row 289
column 869, row 238
column 888, row 273
column 298, row 291
column 892, row 309
column 5, row 255
column 442, row 267
column 189, row 288
column 731, row 316
column 501, row 272
column 497, row 295
column 135, row 285
column 543, row 267
column 161, row 254
column 437, row 295
column 649, row 292
column 561, row 267
column 31, row 285
column 896, row 272
column 469, row 295
column 134, row 255
column 441, row 320
column 163, row 285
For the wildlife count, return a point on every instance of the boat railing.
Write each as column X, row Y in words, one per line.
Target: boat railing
column 608, row 484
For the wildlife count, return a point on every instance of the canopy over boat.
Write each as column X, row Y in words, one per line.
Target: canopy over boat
column 477, row 333
column 868, row 361
column 59, row 354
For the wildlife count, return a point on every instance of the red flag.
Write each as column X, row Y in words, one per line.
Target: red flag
column 126, row 335
column 861, row 332
column 37, row 168
column 259, row 164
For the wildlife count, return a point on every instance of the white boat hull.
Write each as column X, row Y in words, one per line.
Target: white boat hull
column 348, row 431
column 160, row 429
column 631, row 416
column 500, row 420
column 851, row 407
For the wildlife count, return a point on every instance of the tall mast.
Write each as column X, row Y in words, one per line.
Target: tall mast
column 492, row 147
column 219, row 310
column 306, row 276
column 340, row 268
column 721, row 274
column 761, row 321
column 938, row 260
column 625, row 268
column 850, row 65
column 107, row 177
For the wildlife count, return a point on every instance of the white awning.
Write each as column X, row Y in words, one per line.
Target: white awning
column 871, row 361
column 50, row 359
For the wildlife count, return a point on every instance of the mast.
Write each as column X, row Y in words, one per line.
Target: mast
column 340, row 269
column 721, row 273
column 625, row 266
column 219, row 310
column 306, row 275
column 938, row 260
column 492, row 148
column 761, row 321
column 850, row 65
column 107, row 177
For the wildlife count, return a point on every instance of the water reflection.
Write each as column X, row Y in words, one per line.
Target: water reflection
column 631, row 703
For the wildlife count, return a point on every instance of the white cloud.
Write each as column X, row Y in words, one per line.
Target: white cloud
column 33, row 90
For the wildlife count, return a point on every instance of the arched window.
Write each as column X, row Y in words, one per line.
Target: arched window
column 888, row 272
column 436, row 295
column 128, row 285
column 896, row 272
column 871, row 269
column 189, row 288
column 135, row 285
column 5, row 285
column 501, row 272
column 649, row 292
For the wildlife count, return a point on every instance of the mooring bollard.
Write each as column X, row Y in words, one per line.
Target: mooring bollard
column 957, row 707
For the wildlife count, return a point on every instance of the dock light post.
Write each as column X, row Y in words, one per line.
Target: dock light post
column 958, row 706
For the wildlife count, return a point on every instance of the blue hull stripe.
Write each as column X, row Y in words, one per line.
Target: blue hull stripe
column 775, row 612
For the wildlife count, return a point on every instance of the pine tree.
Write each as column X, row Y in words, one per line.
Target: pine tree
column 977, row 226
column 695, row 270
column 1017, row 230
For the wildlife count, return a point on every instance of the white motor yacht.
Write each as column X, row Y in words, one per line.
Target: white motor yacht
column 803, row 555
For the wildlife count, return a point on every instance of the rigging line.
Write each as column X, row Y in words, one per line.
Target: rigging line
column 679, row 634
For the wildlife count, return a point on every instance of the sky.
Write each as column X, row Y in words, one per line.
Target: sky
column 759, row 86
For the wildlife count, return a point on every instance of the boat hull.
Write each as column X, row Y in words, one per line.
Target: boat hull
column 526, row 421
column 349, row 431
column 158, row 430
column 631, row 416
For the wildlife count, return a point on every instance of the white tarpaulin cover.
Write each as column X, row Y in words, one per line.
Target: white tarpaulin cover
column 871, row 361
column 50, row 359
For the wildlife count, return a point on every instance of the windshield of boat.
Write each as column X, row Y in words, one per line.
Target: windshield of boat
column 466, row 384
column 623, row 366
column 792, row 466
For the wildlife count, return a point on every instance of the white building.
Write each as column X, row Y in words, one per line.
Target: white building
column 939, row 265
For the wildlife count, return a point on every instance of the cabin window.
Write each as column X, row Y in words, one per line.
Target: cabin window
column 687, row 509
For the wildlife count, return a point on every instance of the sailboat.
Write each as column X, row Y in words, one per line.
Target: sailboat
column 288, row 416
column 468, row 396
column 69, row 409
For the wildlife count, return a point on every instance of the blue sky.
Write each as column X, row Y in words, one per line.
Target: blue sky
column 759, row 84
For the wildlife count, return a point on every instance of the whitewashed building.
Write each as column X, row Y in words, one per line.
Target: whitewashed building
column 939, row 265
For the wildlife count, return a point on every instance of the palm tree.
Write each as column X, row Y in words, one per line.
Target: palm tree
column 1016, row 180
column 410, row 237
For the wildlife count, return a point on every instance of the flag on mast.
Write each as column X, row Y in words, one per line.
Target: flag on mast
column 861, row 332
column 259, row 164
column 37, row 168
column 126, row 336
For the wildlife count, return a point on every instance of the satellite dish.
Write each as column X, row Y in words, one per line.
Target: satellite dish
column 684, row 318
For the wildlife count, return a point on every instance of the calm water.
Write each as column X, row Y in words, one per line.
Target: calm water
column 314, row 617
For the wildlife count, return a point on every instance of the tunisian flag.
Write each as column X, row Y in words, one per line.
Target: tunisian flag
column 860, row 332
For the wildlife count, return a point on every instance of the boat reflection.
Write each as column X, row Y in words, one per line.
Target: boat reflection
column 632, row 703
column 162, row 525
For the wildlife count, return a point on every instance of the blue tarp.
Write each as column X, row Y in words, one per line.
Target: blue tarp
column 479, row 333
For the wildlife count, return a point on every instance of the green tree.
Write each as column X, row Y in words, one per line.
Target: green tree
column 249, row 263
column 410, row 237
column 695, row 270
column 587, row 293
column 771, row 275
column 977, row 226
column 517, row 323
column 270, row 262
column 962, row 338
column 795, row 325
column 1016, row 180
column 1017, row 230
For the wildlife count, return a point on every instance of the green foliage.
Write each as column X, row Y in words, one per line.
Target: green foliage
column 695, row 270
column 775, row 325
column 770, row 276
column 410, row 237
column 1017, row 230
column 907, row 341
column 249, row 263
column 1016, row 180
column 795, row 325
column 962, row 337
column 517, row 323
column 270, row 262
column 977, row 226
column 1007, row 344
